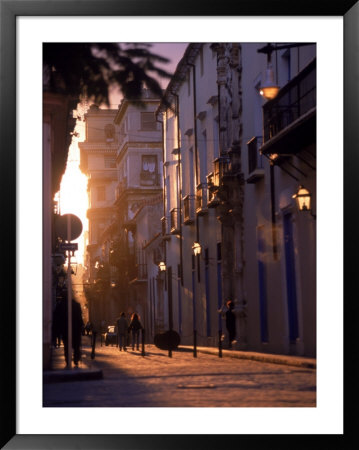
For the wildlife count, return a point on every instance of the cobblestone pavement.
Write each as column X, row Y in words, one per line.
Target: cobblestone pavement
column 130, row 379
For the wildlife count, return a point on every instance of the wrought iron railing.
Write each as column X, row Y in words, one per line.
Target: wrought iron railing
column 201, row 198
column 293, row 101
column 188, row 209
column 174, row 221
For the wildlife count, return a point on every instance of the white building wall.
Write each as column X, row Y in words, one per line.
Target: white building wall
column 258, row 257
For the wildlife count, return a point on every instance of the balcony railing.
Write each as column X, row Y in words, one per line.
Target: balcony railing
column 221, row 168
column 141, row 272
column 201, row 199
column 149, row 178
column 188, row 209
column 294, row 100
column 174, row 221
column 121, row 187
column 165, row 227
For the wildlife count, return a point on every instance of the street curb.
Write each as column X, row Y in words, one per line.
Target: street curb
column 59, row 376
column 297, row 361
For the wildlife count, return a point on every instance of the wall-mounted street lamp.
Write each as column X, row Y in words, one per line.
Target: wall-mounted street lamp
column 196, row 248
column 269, row 89
column 162, row 266
column 303, row 199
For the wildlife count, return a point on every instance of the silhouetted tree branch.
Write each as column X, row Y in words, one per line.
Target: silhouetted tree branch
column 89, row 70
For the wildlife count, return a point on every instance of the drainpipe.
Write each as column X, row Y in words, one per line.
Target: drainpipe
column 272, row 193
column 179, row 184
column 163, row 177
column 196, row 156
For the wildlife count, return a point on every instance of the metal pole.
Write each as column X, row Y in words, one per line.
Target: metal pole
column 69, row 299
column 170, row 313
column 93, row 344
column 195, row 343
column 220, row 343
column 143, row 341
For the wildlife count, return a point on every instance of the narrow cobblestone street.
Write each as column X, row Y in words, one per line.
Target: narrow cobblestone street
column 130, row 379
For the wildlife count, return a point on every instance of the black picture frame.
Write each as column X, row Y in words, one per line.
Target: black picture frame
column 9, row 10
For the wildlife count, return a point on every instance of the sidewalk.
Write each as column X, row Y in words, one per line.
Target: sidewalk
column 290, row 360
column 59, row 373
column 84, row 372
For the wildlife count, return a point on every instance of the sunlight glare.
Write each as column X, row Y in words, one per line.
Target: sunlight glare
column 73, row 197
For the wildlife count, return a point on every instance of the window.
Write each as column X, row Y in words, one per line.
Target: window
column 149, row 163
column 110, row 162
column 101, row 193
column 109, row 132
column 148, row 121
column 149, row 170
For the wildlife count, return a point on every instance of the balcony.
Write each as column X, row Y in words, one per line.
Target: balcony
column 120, row 188
column 212, row 198
column 255, row 163
column 289, row 120
column 221, row 168
column 174, row 221
column 188, row 209
column 165, row 228
column 201, row 199
column 149, row 178
column 138, row 274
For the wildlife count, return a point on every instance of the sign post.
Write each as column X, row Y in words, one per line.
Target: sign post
column 69, row 298
column 68, row 227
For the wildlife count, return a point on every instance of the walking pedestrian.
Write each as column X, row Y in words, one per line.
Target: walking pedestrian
column 135, row 327
column 122, row 330
column 230, row 323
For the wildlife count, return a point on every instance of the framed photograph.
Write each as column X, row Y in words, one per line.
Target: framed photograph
column 30, row 419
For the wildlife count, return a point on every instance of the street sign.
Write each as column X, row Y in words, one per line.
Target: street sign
column 61, row 223
column 68, row 246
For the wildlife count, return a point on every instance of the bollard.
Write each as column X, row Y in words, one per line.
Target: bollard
column 143, row 342
column 220, row 343
column 93, row 344
column 194, row 343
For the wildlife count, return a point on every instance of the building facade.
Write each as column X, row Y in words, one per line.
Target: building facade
column 98, row 162
column 233, row 163
column 58, row 123
column 138, row 194
column 122, row 157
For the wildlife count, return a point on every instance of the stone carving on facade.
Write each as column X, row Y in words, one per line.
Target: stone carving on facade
column 231, row 190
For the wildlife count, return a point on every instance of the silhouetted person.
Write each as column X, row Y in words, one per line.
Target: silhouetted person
column 230, row 323
column 77, row 327
column 135, row 327
column 122, row 330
